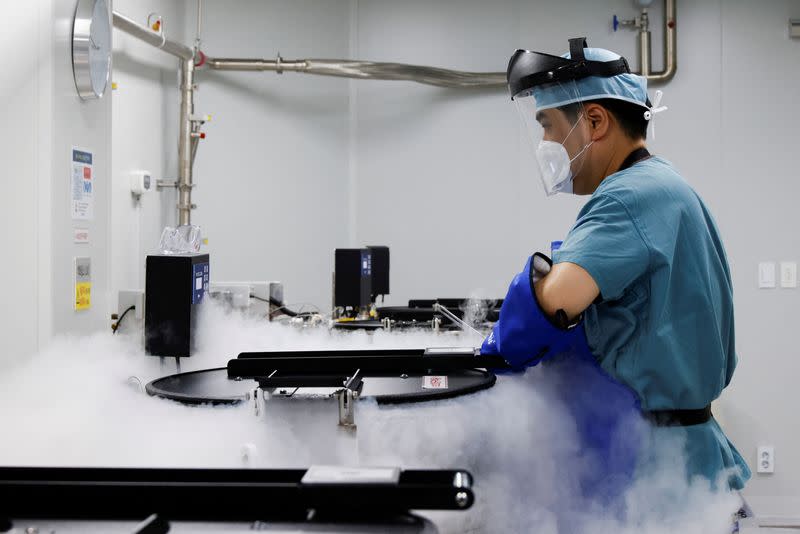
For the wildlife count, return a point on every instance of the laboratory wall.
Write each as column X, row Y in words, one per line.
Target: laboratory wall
column 84, row 125
column 271, row 176
column 43, row 120
column 272, row 193
column 23, row 96
column 755, row 189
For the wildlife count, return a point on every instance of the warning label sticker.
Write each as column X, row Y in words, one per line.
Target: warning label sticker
column 81, row 185
column 83, row 296
column 434, row 382
column 83, row 283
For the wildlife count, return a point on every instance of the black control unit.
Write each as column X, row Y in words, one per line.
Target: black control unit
column 175, row 285
column 352, row 277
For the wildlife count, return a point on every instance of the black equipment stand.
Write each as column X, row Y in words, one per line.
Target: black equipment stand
column 158, row 496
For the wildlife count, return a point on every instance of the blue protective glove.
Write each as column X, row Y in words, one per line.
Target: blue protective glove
column 603, row 408
column 524, row 335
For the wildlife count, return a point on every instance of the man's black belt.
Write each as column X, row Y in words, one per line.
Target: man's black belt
column 679, row 417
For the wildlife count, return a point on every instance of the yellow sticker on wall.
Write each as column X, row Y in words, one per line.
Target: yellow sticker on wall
column 83, row 283
column 83, row 295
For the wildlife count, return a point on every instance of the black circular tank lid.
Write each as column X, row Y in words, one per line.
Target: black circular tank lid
column 213, row 386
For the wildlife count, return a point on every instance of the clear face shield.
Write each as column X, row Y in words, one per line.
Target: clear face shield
column 553, row 118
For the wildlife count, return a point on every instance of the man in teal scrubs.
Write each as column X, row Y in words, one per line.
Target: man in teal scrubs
column 641, row 283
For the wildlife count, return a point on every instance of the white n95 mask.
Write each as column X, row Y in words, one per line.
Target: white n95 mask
column 551, row 114
column 555, row 166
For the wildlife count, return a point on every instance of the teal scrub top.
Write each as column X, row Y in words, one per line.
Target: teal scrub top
column 663, row 324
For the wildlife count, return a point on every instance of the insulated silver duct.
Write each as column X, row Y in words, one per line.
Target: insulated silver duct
column 365, row 70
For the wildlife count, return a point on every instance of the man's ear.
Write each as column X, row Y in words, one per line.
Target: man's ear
column 599, row 120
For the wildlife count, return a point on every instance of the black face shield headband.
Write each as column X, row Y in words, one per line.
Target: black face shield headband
column 527, row 69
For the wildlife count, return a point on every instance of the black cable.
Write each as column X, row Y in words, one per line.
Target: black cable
column 280, row 305
column 121, row 317
column 281, row 308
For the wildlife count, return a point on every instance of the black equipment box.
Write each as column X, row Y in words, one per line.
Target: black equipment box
column 174, row 287
column 352, row 277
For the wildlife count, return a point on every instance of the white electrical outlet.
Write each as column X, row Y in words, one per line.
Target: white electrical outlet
column 237, row 294
column 240, row 294
column 129, row 298
column 766, row 275
column 789, row 274
column 765, row 460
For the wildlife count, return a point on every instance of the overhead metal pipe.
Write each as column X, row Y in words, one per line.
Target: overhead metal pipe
column 159, row 40
column 645, row 49
column 185, row 145
column 199, row 23
column 644, row 46
column 185, row 148
column 670, row 46
column 364, row 70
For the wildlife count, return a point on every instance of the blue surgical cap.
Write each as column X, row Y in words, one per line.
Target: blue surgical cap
column 628, row 87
